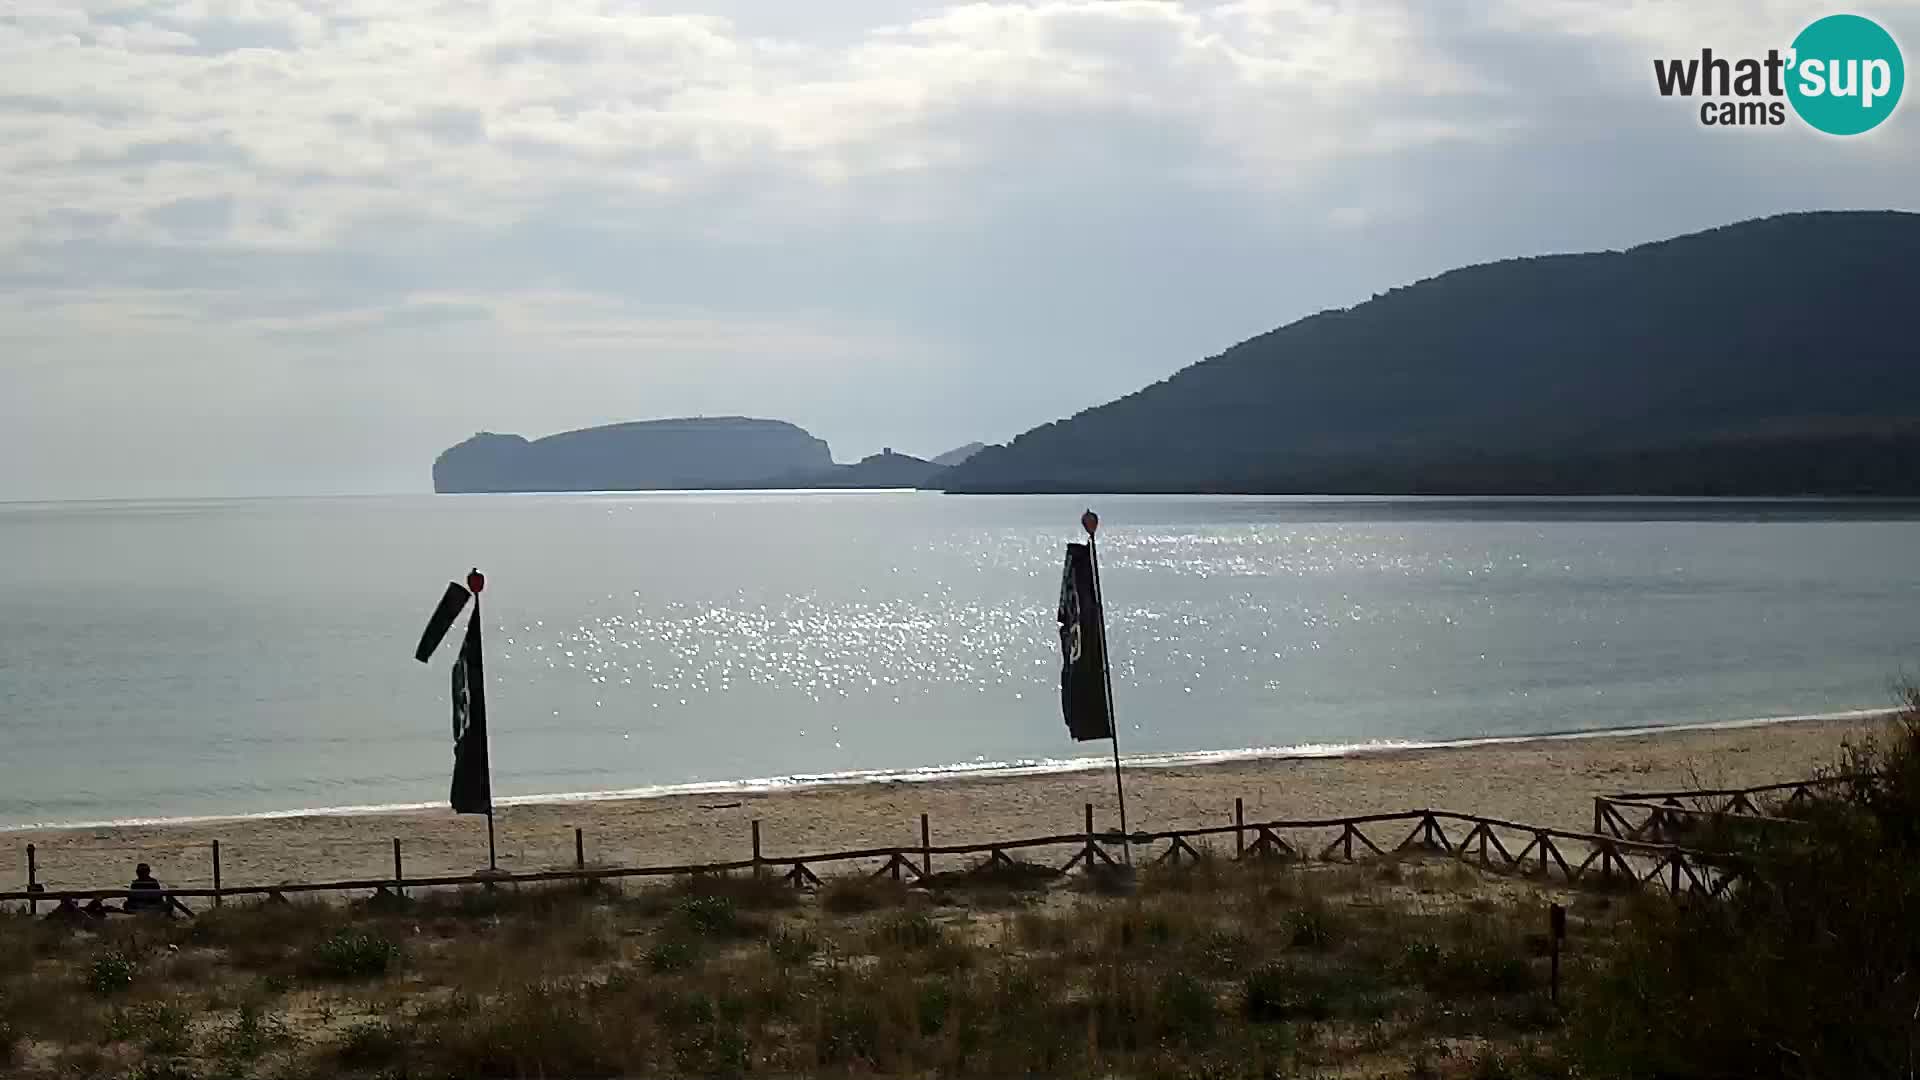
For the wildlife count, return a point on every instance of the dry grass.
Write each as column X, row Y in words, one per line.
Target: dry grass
column 1213, row 970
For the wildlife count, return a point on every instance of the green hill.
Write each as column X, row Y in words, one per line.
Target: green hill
column 1775, row 356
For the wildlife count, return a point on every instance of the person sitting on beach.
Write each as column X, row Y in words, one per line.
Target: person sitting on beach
column 147, row 894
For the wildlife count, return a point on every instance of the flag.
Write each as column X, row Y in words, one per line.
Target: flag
column 451, row 602
column 1083, row 648
column 472, row 788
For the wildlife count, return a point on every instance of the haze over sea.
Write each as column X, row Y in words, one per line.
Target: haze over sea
column 189, row 658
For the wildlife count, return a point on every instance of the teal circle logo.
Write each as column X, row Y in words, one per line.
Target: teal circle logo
column 1846, row 75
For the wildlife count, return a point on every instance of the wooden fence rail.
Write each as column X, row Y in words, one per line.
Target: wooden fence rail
column 1488, row 842
column 1678, row 816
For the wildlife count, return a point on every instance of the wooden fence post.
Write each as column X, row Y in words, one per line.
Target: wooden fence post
column 33, row 880
column 398, row 874
column 758, row 870
column 579, row 849
column 1239, row 828
column 926, row 847
column 216, row 873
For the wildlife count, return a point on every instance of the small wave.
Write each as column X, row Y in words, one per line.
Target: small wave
column 1014, row 767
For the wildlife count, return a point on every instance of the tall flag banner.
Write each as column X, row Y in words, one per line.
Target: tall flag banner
column 472, row 789
column 1083, row 648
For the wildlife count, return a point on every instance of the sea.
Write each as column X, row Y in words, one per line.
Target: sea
column 204, row 658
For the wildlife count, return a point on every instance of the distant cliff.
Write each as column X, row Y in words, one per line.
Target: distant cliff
column 1772, row 357
column 648, row 455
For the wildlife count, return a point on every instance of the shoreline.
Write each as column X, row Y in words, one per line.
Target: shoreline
column 936, row 774
column 1539, row 780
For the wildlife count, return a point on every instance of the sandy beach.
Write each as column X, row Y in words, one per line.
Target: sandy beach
column 1548, row 781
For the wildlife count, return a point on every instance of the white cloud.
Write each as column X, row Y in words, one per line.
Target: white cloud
column 201, row 197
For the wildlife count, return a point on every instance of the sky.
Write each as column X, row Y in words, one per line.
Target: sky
column 254, row 247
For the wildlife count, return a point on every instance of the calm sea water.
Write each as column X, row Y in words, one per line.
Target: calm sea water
column 213, row 657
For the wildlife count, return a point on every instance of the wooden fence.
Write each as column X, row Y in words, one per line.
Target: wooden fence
column 1673, row 817
column 1491, row 843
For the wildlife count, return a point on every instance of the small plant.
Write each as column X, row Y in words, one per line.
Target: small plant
column 161, row 1028
column 1186, row 1008
column 672, row 955
column 1472, row 968
column 1493, row 1065
column 1311, row 928
column 544, row 1029
column 792, row 945
column 748, row 892
column 1225, row 950
column 908, row 930
column 849, row 1032
column 162, row 1069
column 249, row 1035
column 354, row 954
column 856, row 894
column 1275, row 993
column 931, row 1006
column 110, row 973
column 711, row 915
column 372, row 1045
column 1422, row 957
column 1038, row 930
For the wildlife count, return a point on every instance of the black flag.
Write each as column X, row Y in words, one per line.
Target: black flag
column 451, row 602
column 472, row 789
column 1083, row 646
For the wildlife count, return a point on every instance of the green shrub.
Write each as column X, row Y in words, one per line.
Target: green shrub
column 712, row 914
column 111, row 972
column 353, row 954
column 672, row 955
column 932, row 1005
column 1805, row 968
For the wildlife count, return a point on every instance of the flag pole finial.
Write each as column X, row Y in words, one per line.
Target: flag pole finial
column 476, row 581
column 1090, row 521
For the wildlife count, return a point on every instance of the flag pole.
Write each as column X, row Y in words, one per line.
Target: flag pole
column 1091, row 522
column 477, row 583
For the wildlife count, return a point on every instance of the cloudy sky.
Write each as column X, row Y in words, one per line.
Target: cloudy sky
column 262, row 246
